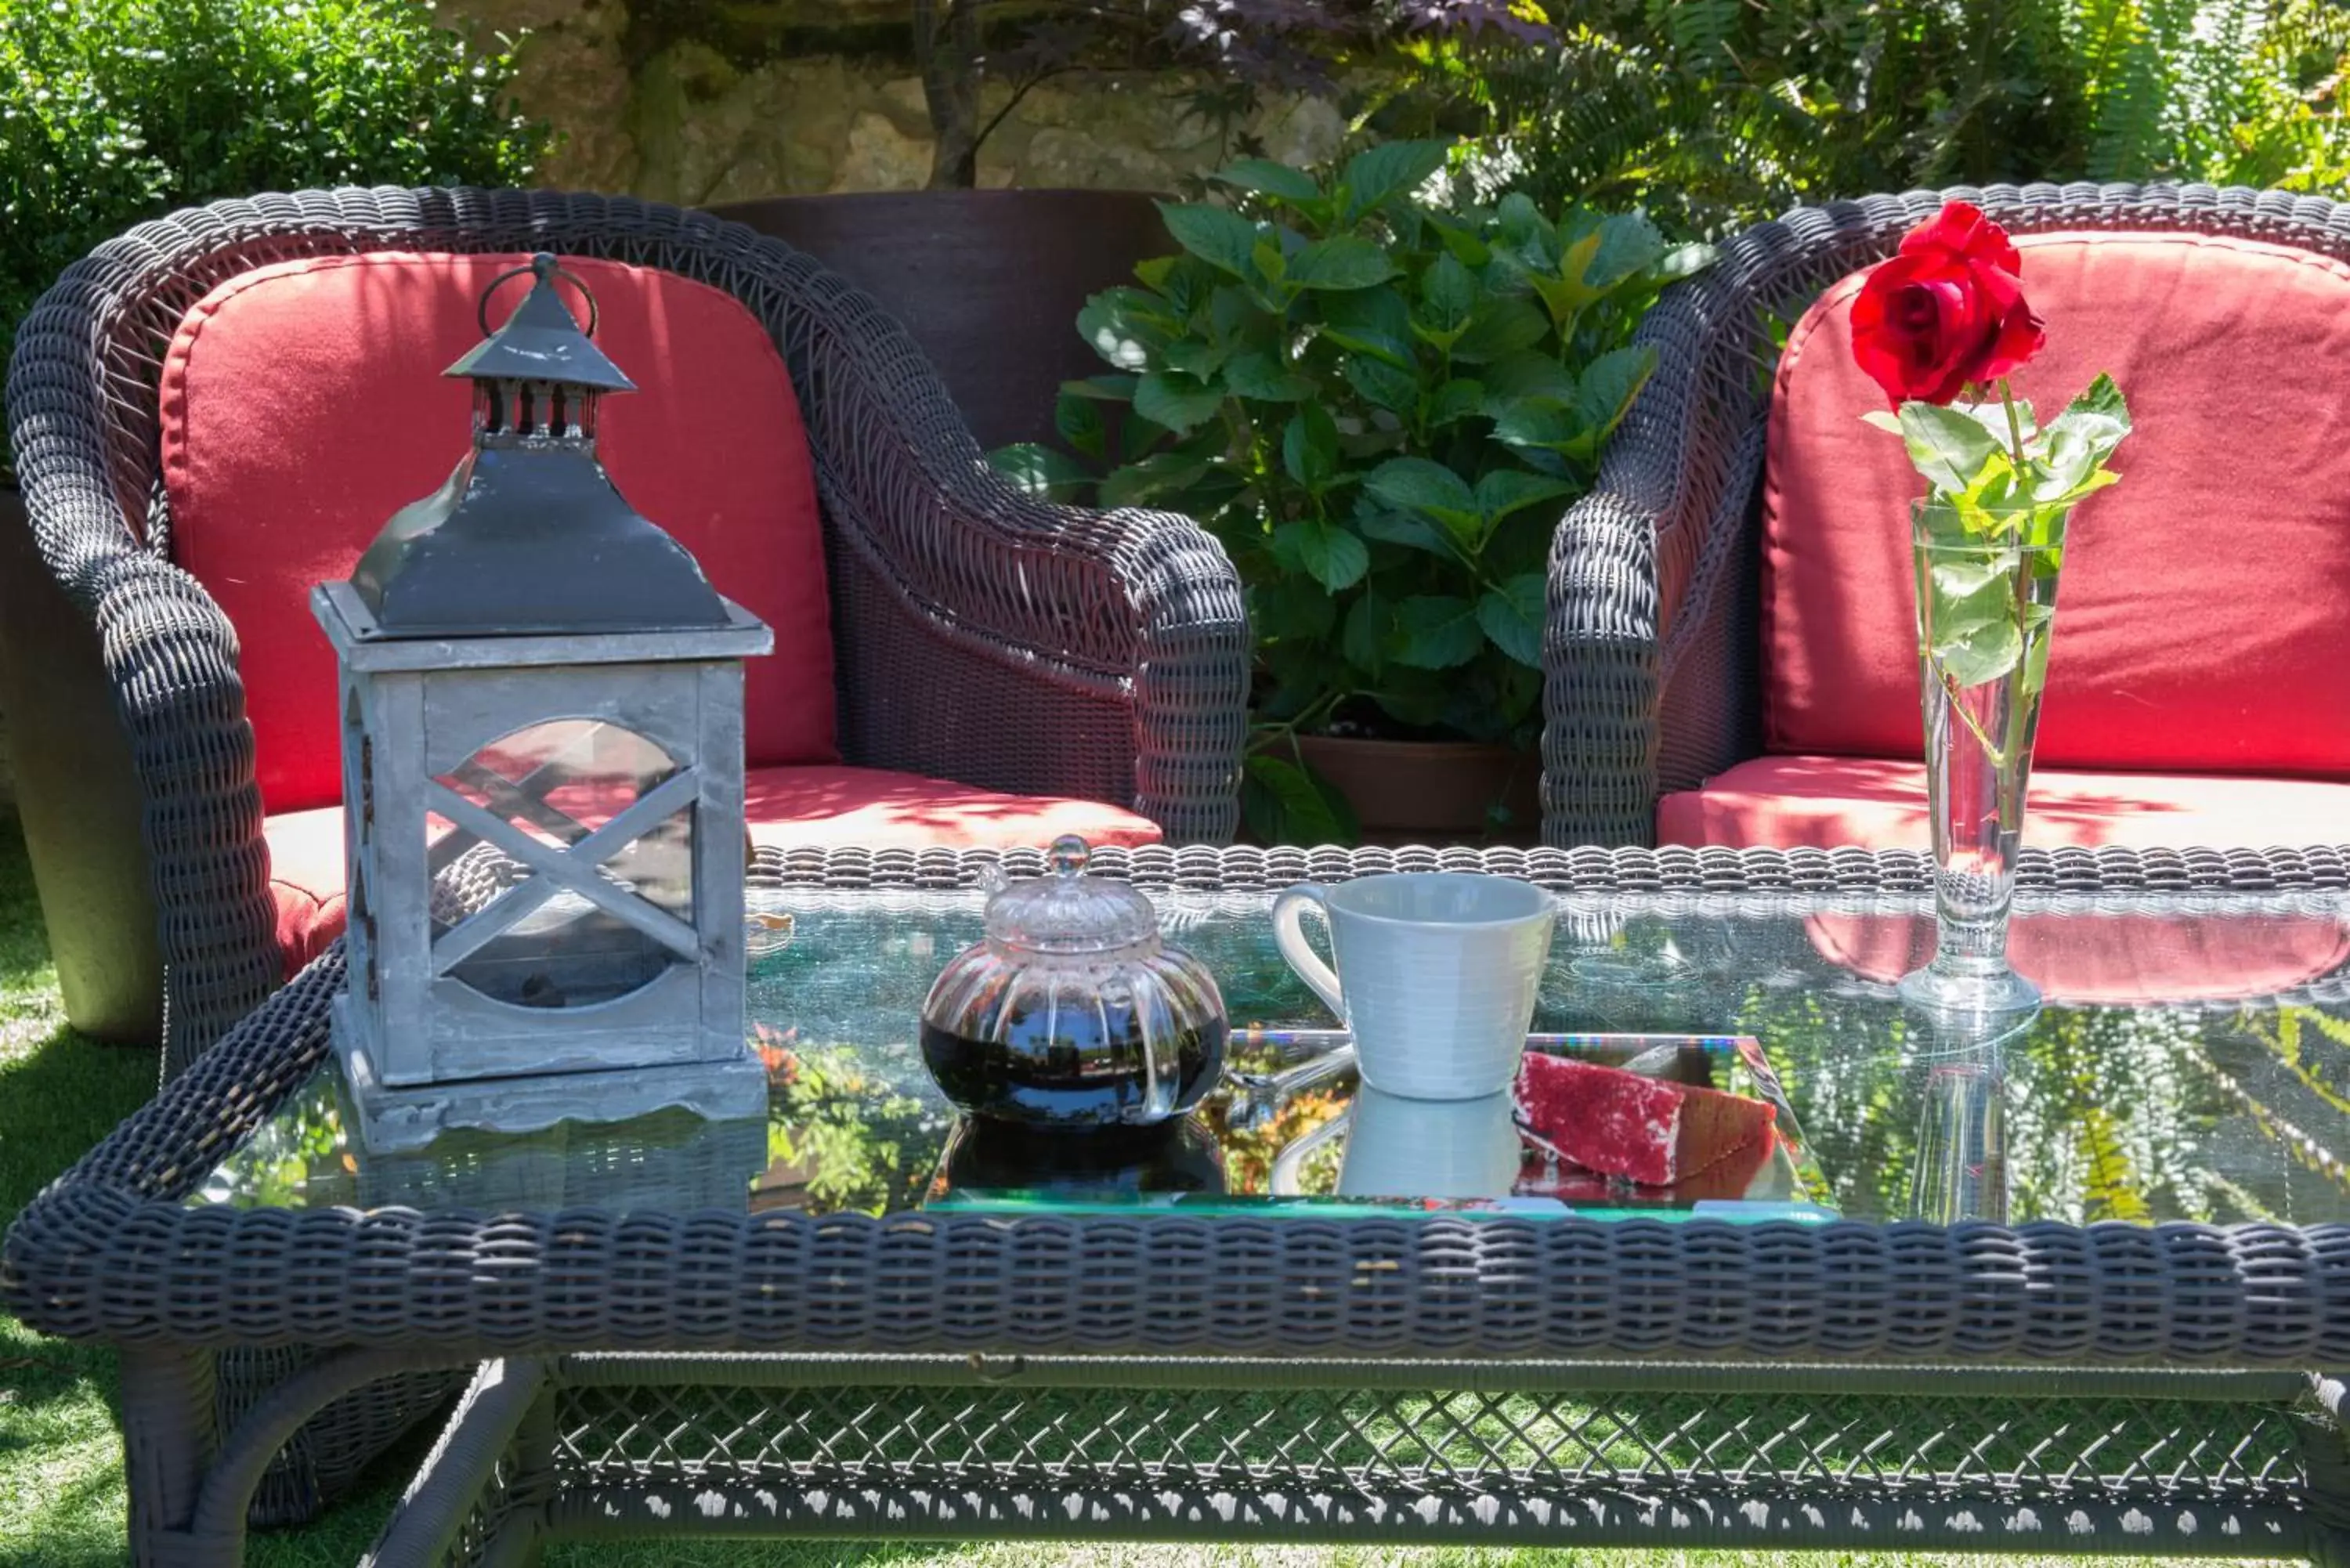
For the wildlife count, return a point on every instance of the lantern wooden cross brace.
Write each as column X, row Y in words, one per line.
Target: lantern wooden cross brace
column 542, row 781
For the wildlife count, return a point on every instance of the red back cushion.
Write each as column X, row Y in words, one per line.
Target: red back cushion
column 303, row 403
column 2204, row 616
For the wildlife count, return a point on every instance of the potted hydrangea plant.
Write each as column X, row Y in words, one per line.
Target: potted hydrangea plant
column 1381, row 402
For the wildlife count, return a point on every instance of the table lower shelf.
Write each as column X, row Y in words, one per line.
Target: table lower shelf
column 1130, row 1449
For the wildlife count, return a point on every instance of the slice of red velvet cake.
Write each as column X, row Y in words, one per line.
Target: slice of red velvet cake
column 1649, row 1130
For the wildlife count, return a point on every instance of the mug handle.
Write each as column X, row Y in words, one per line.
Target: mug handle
column 1289, row 936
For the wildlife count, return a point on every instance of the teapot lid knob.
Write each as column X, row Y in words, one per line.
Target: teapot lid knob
column 1068, row 855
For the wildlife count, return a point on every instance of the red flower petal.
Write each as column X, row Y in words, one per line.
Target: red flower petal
column 2019, row 336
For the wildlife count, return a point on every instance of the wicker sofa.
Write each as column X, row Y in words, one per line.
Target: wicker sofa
column 977, row 636
column 1663, row 656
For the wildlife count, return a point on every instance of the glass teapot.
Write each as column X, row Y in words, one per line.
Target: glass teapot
column 1072, row 1011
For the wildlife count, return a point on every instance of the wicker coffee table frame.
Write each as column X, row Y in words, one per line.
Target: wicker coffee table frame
column 592, row 1335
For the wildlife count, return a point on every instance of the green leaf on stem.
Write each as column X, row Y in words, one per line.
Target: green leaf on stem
column 1447, row 294
column 1948, row 447
column 1369, row 627
column 1390, row 169
column 1193, row 357
column 1971, row 622
column 1459, row 240
column 1381, row 385
column 1501, row 324
column 1979, row 651
column 2036, row 620
column 1138, row 436
column 1508, row 490
column 1122, row 331
column 1340, row 263
column 1309, row 449
column 1415, row 484
column 1329, row 553
column 1217, row 235
column 1526, row 374
column 1683, row 261
column 1044, row 471
column 1408, row 528
column 1374, row 321
column 1439, row 631
column 1284, row 802
column 1253, row 373
column 1291, row 609
column 1628, row 244
column 1078, row 419
column 1457, row 400
column 1267, row 178
column 1544, row 422
column 1179, row 401
column 2064, row 465
column 1610, row 385
column 1511, row 614
column 2098, row 416
column 1162, row 474
column 1102, row 389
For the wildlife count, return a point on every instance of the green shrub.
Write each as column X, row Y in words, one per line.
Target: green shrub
column 1380, row 407
column 1718, row 113
column 114, row 111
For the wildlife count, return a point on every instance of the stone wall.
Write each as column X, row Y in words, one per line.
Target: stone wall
column 697, row 103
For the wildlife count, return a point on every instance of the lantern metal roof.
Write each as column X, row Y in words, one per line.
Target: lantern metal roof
column 529, row 536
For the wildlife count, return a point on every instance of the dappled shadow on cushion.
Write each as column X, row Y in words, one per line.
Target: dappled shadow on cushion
column 1826, row 802
column 845, row 805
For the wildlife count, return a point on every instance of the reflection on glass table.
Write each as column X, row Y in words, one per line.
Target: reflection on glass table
column 2212, row 1082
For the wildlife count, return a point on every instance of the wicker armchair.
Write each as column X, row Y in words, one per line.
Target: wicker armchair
column 980, row 636
column 1653, row 648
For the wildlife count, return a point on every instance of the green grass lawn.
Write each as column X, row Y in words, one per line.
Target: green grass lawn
column 61, row 1498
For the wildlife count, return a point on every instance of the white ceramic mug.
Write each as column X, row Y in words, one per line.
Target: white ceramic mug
column 1435, row 978
column 1398, row 1147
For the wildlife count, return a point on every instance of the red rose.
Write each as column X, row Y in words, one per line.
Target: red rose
column 1949, row 309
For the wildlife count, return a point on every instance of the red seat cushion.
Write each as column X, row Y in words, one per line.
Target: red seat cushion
column 303, row 403
column 1825, row 803
column 786, row 805
column 2205, row 612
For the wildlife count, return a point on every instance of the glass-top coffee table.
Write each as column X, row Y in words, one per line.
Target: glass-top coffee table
column 2193, row 1064
column 857, row 1317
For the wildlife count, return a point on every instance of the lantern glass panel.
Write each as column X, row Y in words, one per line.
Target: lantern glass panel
column 558, row 882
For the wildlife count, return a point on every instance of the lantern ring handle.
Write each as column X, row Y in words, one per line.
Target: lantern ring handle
column 542, row 266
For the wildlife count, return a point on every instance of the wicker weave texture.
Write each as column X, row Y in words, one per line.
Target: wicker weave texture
column 1651, row 653
column 983, row 635
column 109, row 1253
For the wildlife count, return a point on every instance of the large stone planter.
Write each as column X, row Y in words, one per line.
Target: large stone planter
column 988, row 282
column 1432, row 792
column 78, row 796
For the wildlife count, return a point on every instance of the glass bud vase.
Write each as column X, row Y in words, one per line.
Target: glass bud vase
column 1986, row 607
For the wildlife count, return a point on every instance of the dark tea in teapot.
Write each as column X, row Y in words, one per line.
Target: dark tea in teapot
column 1073, row 1011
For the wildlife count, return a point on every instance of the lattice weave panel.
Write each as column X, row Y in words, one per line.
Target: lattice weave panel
column 2099, row 1448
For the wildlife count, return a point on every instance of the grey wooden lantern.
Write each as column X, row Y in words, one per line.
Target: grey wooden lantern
column 541, row 735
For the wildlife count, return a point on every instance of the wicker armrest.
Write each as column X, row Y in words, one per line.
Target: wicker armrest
column 1635, row 565
column 990, row 637
column 171, row 660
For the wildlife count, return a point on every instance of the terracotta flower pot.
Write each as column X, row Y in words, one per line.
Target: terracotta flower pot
column 1432, row 792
